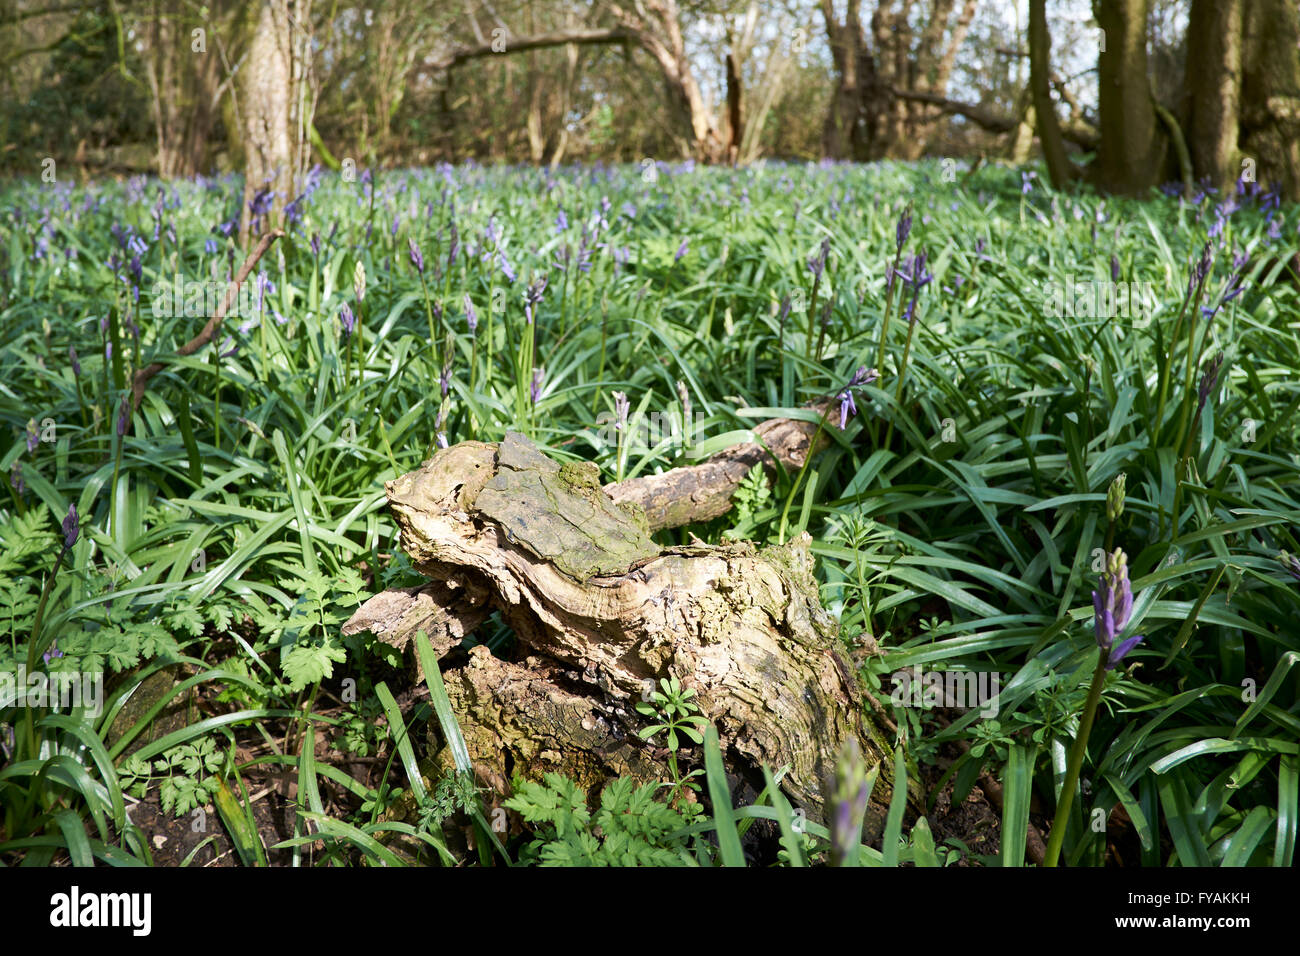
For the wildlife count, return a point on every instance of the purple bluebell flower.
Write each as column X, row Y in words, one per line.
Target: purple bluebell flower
column 71, row 528
column 16, row 478
column 583, row 261
column 1209, row 379
column 863, row 376
column 533, row 296
column 453, row 246
column 1200, row 269
column 471, row 317
column 817, row 262
column 1114, row 268
column 347, row 318
column 535, row 389
column 1233, row 287
column 1290, row 564
column 507, row 270
column 315, row 244
column 848, row 803
column 72, row 358
column 561, row 221
column 783, row 312
column 417, row 258
column 52, row 653
column 914, row 274
column 123, row 416
column 1026, row 181
column 260, row 204
column 1112, row 607
column 903, row 229
column 681, row 251
column 33, row 436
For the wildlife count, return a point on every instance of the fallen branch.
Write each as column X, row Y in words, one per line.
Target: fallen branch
column 698, row 493
column 601, row 613
column 143, row 376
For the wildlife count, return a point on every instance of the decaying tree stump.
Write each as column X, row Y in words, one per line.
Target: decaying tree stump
column 601, row 611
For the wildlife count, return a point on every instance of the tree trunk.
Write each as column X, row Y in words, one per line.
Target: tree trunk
column 1131, row 152
column 1022, row 139
column 1270, row 92
column 267, row 96
column 601, row 613
column 1213, row 89
column 1059, row 167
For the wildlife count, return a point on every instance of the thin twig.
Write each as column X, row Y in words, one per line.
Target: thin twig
column 210, row 330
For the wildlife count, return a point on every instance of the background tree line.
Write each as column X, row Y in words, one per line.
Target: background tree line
column 1126, row 94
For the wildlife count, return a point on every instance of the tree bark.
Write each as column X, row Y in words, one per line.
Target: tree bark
column 1214, row 89
column 601, row 612
column 1059, row 167
column 1131, row 152
column 1270, row 92
column 268, row 143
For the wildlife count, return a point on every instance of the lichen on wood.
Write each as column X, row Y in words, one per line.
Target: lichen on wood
column 601, row 613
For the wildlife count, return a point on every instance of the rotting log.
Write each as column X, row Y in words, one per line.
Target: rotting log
column 601, row 613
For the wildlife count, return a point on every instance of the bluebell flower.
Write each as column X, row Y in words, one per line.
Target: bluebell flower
column 863, row 376
column 1112, row 607
column 817, row 263
column 71, row 528
column 533, row 296
column 52, row 653
column 915, row 275
column 347, row 318
column 1209, row 379
column 903, row 229
column 471, row 317
column 507, row 270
